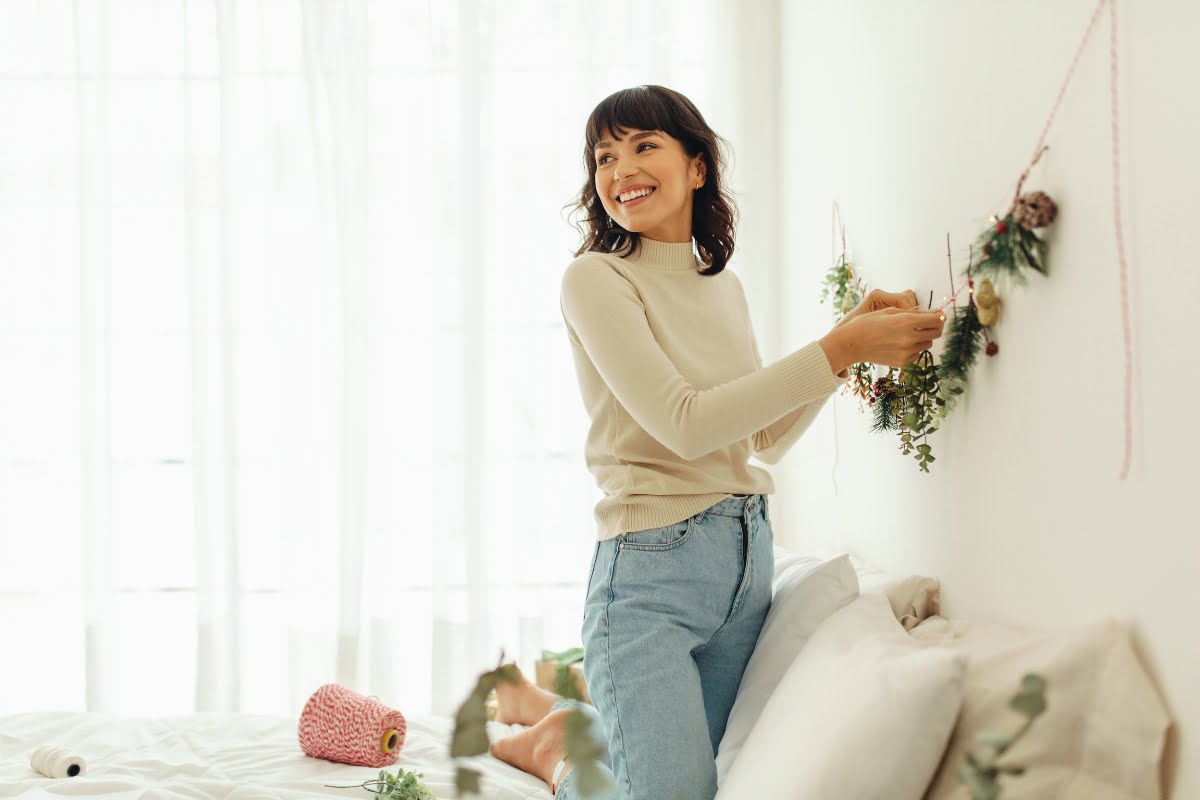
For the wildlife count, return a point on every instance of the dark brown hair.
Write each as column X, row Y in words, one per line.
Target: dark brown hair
column 657, row 108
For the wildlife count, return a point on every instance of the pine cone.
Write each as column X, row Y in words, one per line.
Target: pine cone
column 1034, row 210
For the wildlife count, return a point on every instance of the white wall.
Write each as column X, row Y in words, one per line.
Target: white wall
column 918, row 118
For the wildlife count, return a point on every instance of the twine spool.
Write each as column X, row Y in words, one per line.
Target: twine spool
column 339, row 724
column 55, row 762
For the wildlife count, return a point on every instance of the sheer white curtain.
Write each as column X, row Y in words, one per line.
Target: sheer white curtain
column 287, row 397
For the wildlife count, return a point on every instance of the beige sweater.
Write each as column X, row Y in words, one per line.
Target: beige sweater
column 672, row 379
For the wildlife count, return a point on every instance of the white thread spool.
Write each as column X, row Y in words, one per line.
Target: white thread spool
column 55, row 762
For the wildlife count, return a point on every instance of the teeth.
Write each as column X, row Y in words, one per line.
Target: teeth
column 627, row 196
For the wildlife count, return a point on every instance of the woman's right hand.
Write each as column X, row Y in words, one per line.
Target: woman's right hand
column 890, row 337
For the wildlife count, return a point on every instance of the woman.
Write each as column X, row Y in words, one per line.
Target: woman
column 679, row 399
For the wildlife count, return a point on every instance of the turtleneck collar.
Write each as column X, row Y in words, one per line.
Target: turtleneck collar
column 669, row 256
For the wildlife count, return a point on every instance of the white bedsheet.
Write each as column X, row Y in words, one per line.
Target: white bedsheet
column 238, row 756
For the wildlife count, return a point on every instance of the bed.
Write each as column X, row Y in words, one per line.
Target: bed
column 239, row 756
column 838, row 631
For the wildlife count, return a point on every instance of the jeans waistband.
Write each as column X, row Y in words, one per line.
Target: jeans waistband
column 739, row 505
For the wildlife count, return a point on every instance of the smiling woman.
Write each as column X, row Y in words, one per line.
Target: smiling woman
column 671, row 375
column 654, row 138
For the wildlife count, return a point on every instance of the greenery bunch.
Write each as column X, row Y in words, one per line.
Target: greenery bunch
column 913, row 402
column 403, row 785
column 848, row 291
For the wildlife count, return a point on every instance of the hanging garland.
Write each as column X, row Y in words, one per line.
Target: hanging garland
column 912, row 401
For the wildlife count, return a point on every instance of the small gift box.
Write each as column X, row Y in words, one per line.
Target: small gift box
column 562, row 673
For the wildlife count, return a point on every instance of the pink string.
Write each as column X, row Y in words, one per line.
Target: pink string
column 837, row 217
column 1126, row 325
column 1040, row 147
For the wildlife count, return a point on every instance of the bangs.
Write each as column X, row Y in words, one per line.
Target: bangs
column 628, row 109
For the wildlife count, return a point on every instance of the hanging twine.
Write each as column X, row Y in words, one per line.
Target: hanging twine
column 837, row 220
column 1126, row 324
column 1122, row 261
column 55, row 762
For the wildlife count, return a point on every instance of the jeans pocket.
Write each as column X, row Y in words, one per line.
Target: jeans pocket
column 663, row 538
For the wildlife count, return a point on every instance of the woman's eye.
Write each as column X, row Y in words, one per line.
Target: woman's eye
column 640, row 146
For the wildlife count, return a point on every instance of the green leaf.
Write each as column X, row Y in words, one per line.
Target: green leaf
column 466, row 780
column 1030, row 700
column 1000, row 741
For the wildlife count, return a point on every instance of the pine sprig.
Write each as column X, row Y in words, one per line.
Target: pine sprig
column 963, row 342
column 888, row 403
column 1007, row 250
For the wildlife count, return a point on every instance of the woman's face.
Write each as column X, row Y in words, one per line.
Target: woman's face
column 653, row 160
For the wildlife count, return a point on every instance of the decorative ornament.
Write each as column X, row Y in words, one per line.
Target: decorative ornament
column 987, row 303
column 1007, row 249
column 1034, row 210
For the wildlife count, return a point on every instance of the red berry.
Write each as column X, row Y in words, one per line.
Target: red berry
column 992, row 348
column 1001, row 227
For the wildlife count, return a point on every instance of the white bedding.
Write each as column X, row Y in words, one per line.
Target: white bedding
column 238, row 756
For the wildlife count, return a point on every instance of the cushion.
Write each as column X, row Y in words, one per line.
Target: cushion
column 863, row 713
column 806, row 591
column 913, row 597
column 1102, row 734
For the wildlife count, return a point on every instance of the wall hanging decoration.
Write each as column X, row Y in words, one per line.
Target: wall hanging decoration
column 913, row 400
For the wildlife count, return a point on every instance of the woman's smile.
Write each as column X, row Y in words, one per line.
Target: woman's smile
column 635, row 201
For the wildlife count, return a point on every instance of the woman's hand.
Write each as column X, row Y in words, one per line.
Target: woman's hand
column 889, row 336
column 877, row 300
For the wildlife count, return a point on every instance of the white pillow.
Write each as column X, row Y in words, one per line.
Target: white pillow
column 806, row 591
column 864, row 712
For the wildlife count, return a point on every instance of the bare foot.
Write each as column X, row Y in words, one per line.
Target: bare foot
column 538, row 749
column 523, row 702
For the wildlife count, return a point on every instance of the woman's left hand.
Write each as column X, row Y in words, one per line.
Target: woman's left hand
column 877, row 299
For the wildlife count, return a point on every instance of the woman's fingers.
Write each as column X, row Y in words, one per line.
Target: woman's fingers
column 905, row 301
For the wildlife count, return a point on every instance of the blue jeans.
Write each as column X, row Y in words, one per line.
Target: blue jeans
column 671, row 618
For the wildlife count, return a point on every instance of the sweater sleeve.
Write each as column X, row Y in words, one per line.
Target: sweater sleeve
column 607, row 316
column 773, row 442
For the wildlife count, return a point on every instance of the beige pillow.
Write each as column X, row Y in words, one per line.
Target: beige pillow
column 1102, row 734
column 913, row 597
